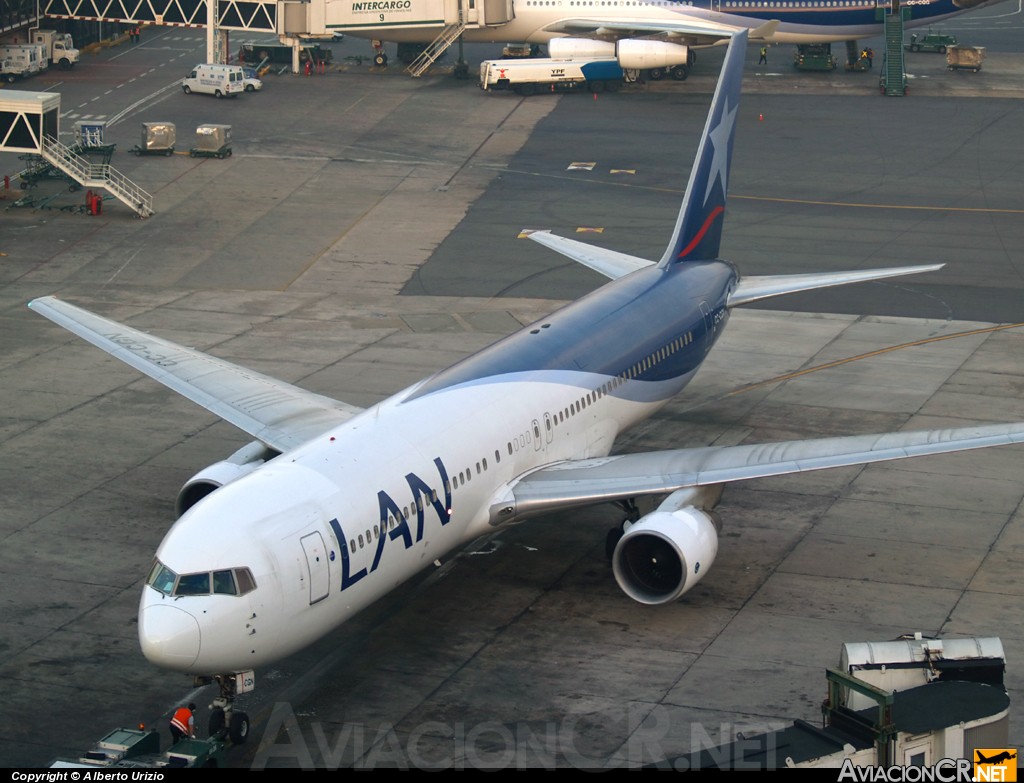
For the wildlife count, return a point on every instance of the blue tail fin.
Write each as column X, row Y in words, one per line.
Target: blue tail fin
column 698, row 232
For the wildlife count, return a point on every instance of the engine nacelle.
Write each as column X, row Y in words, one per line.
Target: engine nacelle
column 241, row 463
column 639, row 55
column 664, row 554
column 568, row 48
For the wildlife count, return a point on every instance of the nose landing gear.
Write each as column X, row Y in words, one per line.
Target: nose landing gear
column 225, row 720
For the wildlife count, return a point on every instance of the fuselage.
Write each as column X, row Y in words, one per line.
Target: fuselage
column 328, row 528
column 801, row 21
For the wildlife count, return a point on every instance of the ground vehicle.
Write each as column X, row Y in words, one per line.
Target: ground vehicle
column 135, row 748
column 217, row 80
column 967, row 58
column 255, row 52
column 529, row 75
column 814, row 57
column 930, row 42
column 251, row 80
column 60, row 48
column 20, row 60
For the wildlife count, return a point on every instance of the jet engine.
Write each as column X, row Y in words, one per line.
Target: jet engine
column 631, row 53
column 567, row 48
column 651, row 54
column 665, row 553
column 241, row 463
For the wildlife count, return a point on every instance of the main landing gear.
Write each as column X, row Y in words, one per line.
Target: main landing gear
column 224, row 719
column 614, row 534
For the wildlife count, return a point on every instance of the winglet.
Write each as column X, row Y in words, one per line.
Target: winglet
column 698, row 232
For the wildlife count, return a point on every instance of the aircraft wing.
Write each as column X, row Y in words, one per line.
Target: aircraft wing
column 695, row 32
column 609, row 263
column 280, row 415
column 584, row 482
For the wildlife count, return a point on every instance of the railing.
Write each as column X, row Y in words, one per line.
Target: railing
column 436, row 48
column 97, row 175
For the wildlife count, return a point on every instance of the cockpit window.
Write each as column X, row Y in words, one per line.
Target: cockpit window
column 162, row 578
column 193, row 584
column 230, row 581
column 224, row 583
column 246, row 584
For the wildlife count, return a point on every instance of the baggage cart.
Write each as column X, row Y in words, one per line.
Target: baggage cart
column 157, row 139
column 965, row 57
column 212, row 141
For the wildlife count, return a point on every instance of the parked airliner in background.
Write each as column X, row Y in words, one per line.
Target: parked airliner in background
column 332, row 506
column 641, row 34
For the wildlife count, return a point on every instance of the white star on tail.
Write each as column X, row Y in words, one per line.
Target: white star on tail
column 720, row 140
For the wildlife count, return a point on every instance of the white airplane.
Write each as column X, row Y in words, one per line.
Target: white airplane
column 332, row 506
column 654, row 35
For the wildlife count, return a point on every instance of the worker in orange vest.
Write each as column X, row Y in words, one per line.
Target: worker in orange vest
column 183, row 723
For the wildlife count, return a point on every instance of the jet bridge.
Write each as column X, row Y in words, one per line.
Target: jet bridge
column 30, row 123
column 293, row 20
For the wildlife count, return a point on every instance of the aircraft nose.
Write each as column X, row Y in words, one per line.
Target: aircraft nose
column 169, row 636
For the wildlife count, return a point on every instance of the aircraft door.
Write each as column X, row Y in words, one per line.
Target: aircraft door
column 538, row 439
column 549, row 429
column 318, row 565
column 709, row 326
column 468, row 12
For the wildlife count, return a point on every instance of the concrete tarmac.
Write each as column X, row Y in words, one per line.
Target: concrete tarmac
column 365, row 233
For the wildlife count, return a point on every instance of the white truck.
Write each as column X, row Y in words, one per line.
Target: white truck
column 20, row 61
column 60, row 47
column 527, row 76
column 213, row 79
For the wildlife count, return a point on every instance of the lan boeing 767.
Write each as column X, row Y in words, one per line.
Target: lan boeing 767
column 332, row 506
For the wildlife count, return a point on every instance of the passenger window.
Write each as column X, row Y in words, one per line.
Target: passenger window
column 224, row 583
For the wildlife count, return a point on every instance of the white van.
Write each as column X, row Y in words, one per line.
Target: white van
column 219, row 80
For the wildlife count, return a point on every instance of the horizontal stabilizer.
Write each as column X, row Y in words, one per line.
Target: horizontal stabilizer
column 608, row 262
column 280, row 415
column 604, row 479
column 751, row 289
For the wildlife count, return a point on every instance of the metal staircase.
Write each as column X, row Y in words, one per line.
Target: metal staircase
column 97, row 175
column 436, row 48
column 894, row 74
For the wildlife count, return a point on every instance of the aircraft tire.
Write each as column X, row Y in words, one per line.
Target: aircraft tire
column 680, row 72
column 238, row 731
column 380, row 60
column 216, row 723
column 612, row 85
column 656, row 74
column 611, row 541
